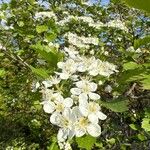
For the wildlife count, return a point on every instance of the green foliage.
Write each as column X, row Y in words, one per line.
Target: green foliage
column 2, row 72
column 86, row 142
column 143, row 5
column 50, row 54
column 141, row 42
column 23, row 124
column 146, row 120
column 54, row 145
column 146, row 124
column 40, row 72
column 41, row 28
column 130, row 65
column 116, row 105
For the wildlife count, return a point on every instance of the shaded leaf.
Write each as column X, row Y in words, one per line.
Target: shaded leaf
column 116, row 105
column 49, row 54
column 40, row 72
column 2, row 72
column 139, row 4
column 130, row 65
column 141, row 42
column 41, row 28
column 146, row 124
column 86, row 142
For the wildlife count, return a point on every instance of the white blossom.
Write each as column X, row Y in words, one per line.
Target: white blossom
column 59, row 104
column 108, row 89
column 66, row 122
column 68, row 68
column 83, row 125
column 117, row 24
column 45, row 14
column 91, row 110
column 85, row 88
column 52, row 81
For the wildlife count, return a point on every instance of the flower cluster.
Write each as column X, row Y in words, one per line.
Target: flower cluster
column 71, row 96
column 117, row 24
column 86, row 19
column 81, row 42
column 76, row 112
column 46, row 14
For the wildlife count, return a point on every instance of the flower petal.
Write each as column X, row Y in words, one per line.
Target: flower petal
column 83, row 110
column 80, row 84
column 60, row 64
column 80, row 132
column 71, row 133
column 83, row 99
column 75, row 91
column 64, row 75
column 93, row 118
column 76, row 111
column 55, row 118
column 62, row 135
column 94, row 96
column 67, row 113
column 68, row 102
column 47, row 83
column 48, row 107
column 101, row 115
column 93, row 86
column 94, row 130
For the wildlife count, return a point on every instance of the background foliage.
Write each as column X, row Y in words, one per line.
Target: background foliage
column 23, row 124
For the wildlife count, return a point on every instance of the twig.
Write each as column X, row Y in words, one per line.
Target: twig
column 131, row 89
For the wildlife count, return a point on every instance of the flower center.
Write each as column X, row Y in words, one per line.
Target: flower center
column 86, row 88
column 83, row 122
column 59, row 107
column 92, row 107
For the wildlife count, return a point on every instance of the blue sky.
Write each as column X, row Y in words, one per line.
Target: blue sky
column 104, row 2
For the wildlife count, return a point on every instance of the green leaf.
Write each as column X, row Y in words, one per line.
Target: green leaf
column 49, row 54
column 53, row 146
column 133, row 126
column 41, row 28
column 146, row 124
column 141, row 137
column 40, row 72
column 139, row 4
column 86, row 142
column 130, row 65
column 2, row 72
column 141, row 42
column 116, row 105
column 51, row 36
column 111, row 141
column 146, row 82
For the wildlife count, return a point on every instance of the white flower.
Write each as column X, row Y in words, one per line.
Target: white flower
column 45, row 14
column 71, row 52
column 91, row 110
column 117, row 24
column 50, row 95
column 85, row 63
column 83, row 125
column 108, row 89
column 84, row 89
column 101, row 68
column 86, row 19
column 52, row 81
column 68, row 68
column 35, row 86
column 57, row 105
column 66, row 123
